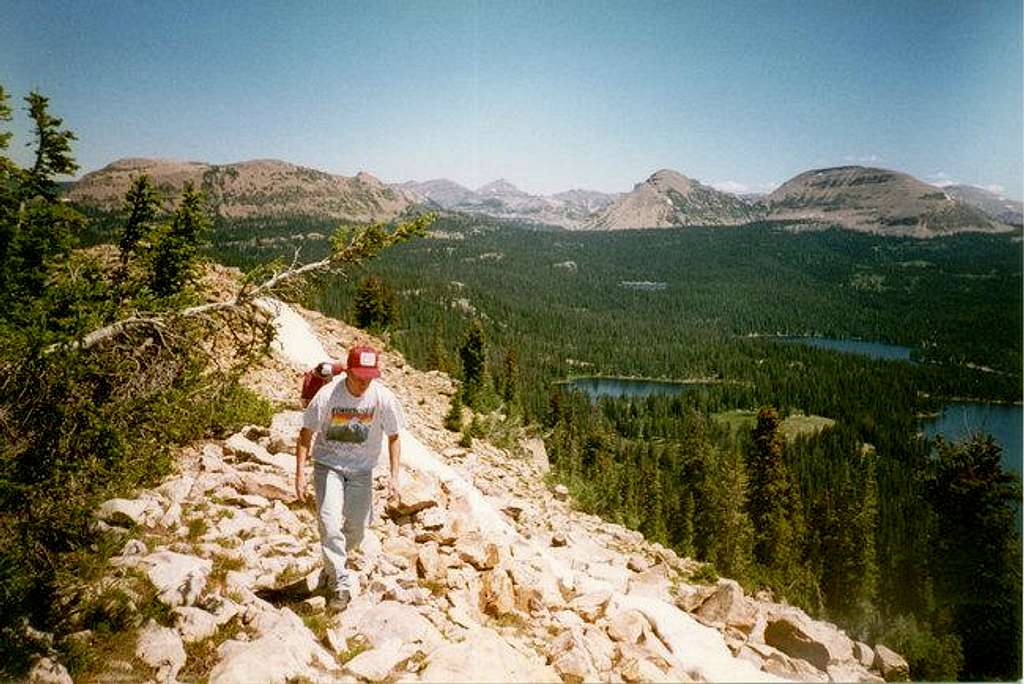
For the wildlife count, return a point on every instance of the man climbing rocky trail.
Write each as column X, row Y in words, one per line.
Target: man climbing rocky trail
column 478, row 572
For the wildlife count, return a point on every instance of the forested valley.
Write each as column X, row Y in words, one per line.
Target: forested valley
column 896, row 538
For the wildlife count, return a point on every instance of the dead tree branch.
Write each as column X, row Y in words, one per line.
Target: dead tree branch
column 349, row 248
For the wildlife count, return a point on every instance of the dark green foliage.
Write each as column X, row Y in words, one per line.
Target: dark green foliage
column 472, row 353
column 776, row 510
column 478, row 387
column 175, row 252
column 375, row 306
column 978, row 555
column 453, row 419
column 931, row 658
column 52, row 146
column 34, row 228
column 510, row 382
column 437, row 357
column 79, row 426
column 141, row 205
column 730, row 547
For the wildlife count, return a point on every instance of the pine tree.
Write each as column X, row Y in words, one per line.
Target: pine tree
column 775, row 507
column 375, row 305
column 176, row 252
column 730, row 546
column 141, row 205
column 53, row 148
column 35, row 229
column 453, row 419
column 977, row 554
column 437, row 358
column 479, row 394
column 510, row 392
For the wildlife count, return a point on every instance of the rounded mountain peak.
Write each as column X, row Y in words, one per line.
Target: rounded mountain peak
column 498, row 187
column 665, row 179
column 369, row 179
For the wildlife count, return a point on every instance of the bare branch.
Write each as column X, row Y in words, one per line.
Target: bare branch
column 360, row 245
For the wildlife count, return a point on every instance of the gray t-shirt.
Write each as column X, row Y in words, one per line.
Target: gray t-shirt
column 349, row 429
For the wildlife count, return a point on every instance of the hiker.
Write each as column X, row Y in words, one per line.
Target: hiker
column 348, row 417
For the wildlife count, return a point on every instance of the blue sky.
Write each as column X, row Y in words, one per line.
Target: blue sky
column 549, row 95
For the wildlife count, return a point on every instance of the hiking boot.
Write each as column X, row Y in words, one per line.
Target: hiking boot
column 339, row 602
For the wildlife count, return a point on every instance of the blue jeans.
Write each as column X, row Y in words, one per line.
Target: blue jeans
column 343, row 504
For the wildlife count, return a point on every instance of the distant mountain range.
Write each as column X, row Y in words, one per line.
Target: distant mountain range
column 998, row 207
column 853, row 197
column 251, row 188
column 571, row 209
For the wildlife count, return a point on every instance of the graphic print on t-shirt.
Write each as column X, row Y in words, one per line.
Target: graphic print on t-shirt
column 350, row 425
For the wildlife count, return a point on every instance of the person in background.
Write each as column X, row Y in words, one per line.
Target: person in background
column 349, row 417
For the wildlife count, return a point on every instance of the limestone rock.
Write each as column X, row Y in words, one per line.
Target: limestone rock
column 176, row 490
column 395, row 547
column 513, row 509
column 728, row 606
column 558, row 539
column 864, row 654
column 129, row 512
column 601, row 649
column 497, row 595
column 571, row 662
column 484, row 657
column 533, row 585
column 698, row 649
column 799, row 637
column 266, row 485
column 417, row 491
column 891, row 664
column 851, row 672
column 134, row 547
column 194, row 624
column 429, row 564
column 237, row 524
column 561, row 492
column 211, row 460
column 432, row 519
column 591, row 606
column 534, row 446
column 638, row 564
column 654, row 582
column 286, row 519
column 774, row 661
column 179, row 579
column 284, row 431
column 285, row 650
column 392, row 620
column 161, row 648
column 376, row 664
column 243, row 448
column 478, row 552
column 229, row 495
column 48, row 671
column 627, row 625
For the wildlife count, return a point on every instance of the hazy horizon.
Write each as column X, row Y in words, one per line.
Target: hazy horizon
column 594, row 95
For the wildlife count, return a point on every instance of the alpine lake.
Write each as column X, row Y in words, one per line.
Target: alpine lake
column 956, row 420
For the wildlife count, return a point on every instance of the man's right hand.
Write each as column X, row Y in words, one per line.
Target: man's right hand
column 300, row 485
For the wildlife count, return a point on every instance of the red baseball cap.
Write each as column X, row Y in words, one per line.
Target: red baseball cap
column 363, row 363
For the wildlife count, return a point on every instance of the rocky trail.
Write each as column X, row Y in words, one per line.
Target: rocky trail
column 482, row 572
